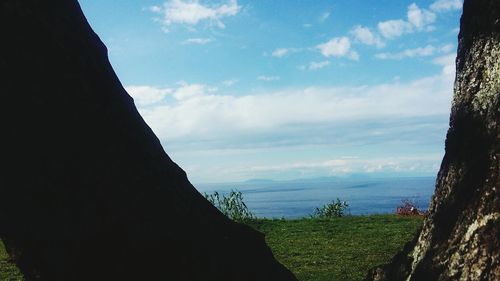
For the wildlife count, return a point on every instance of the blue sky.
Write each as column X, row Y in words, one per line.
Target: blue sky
column 238, row 90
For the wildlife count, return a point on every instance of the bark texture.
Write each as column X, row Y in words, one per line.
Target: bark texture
column 86, row 190
column 460, row 239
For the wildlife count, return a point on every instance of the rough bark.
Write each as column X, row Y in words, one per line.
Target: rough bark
column 460, row 239
column 86, row 190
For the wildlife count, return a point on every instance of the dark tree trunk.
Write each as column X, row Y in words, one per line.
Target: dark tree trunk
column 86, row 190
column 460, row 239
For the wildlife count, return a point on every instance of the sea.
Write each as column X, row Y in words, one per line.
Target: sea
column 299, row 198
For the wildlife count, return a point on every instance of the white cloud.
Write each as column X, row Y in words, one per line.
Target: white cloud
column 420, row 18
column 268, row 78
column 338, row 47
column 324, row 16
column 417, row 20
column 446, row 5
column 189, row 91
column 394, row 28
column 447, row 48
column 426, row 51
column 280, row 52
column 366, row 36
column 192, row 12
column 448, row 64
column 155, row 9
column 147, row 95
column 199, row 41
column 445, row 60
column 318, row 65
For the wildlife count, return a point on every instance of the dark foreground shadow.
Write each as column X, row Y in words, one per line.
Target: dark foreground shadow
column 87, row 192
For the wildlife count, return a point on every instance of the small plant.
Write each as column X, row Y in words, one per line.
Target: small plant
column 231, row 205
column 408, row 207
column 334, row 209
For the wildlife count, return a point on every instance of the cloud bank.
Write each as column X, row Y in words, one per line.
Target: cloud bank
column 199, row 111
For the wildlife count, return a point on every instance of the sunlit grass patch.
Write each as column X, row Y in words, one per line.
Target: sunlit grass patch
column 337, row 248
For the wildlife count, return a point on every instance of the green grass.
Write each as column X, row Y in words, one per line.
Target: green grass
column 318, row 249
column 8, row 271
column 338, row 248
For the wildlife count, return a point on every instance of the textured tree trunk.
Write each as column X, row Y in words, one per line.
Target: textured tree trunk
column 460, row 239
column 86, row 190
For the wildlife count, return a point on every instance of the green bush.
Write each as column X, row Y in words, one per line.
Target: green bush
column 333, row 209
column 231, row 205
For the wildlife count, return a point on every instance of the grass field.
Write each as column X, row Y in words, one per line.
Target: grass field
column 318, row 250
column 337, row 249
column 8, row 271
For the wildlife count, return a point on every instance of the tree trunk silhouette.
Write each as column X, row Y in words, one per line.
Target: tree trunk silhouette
column 86, row 190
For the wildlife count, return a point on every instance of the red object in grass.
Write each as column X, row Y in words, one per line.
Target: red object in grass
column 408, row 208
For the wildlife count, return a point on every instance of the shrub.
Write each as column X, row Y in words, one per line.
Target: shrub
column 408, row 207
column 331, row 210
column 231, row 205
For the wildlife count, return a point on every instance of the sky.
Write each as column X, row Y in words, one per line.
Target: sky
column 286, row 89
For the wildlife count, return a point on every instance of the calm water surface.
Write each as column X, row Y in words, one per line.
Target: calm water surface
column 293, row 199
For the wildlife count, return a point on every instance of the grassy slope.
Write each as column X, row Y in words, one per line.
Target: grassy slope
column 337, row 249
column 318, row 250
column 8, row 271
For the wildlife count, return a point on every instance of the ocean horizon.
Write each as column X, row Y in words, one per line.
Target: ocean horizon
column 299, row 198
